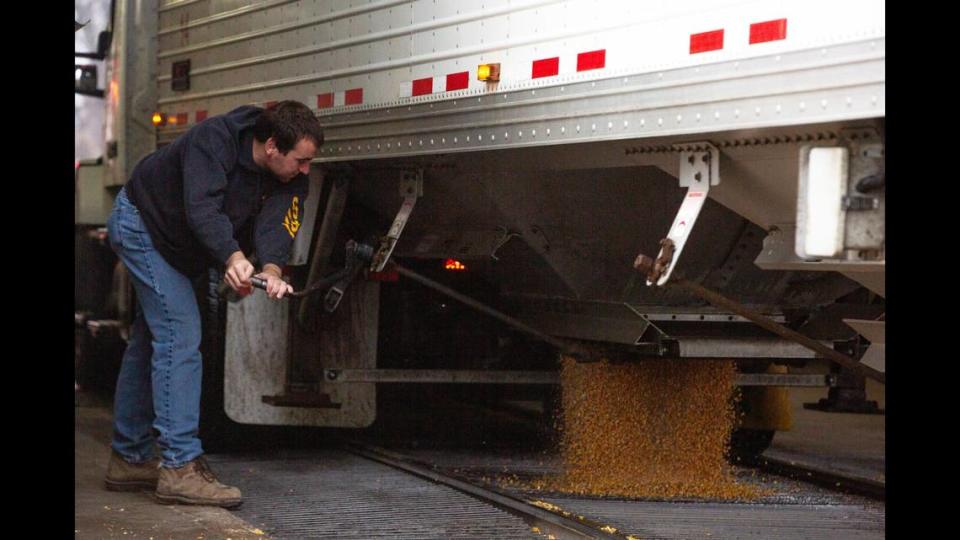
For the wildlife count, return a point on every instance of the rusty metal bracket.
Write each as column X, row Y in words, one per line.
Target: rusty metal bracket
column 653, row 269
column 324, row 242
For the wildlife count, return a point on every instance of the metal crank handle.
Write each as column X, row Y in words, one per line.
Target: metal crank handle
column 259, row 283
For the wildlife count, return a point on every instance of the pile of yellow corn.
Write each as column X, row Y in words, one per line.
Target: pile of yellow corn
column 657, row 429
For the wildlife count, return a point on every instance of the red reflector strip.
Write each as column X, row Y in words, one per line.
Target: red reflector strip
column 458, row 81
column 768, row 31
column 181, row 118
column 706, row 41
column 201, row 116
column 325, row 101
column 548, row 67
column 423, row 86
column 386, row 275
column 353, row 97
column 591, row 60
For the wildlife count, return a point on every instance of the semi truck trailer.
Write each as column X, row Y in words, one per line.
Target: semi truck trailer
column 503, row 181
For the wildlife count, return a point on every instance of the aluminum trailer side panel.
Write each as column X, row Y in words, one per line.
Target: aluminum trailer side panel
column 363, row 63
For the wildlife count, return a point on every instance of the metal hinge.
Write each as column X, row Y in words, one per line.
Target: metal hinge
column 699, row 169
column 411, row 188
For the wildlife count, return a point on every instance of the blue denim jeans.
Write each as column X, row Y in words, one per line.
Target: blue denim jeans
column 160, row 377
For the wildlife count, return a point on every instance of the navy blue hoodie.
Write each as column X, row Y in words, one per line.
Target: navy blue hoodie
column 198, row 194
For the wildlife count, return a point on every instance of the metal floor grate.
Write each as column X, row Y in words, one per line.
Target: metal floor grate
column 793, row 510
column 333, row 494
column 720, row 521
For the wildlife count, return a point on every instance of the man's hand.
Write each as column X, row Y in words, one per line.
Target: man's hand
column 276, row 286
column 238, row 272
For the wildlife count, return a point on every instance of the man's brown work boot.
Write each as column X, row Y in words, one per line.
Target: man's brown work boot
column 195, row 483
column 125, row 476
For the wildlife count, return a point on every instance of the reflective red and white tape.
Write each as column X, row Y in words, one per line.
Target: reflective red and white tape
column 552, row 66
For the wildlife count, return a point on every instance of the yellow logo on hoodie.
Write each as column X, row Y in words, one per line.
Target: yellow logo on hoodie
column 292, row 220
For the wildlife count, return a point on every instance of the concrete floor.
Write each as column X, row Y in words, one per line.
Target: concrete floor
column 852, row 444
column 101, row 514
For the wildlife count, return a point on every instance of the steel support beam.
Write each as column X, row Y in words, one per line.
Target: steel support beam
column 463, row 376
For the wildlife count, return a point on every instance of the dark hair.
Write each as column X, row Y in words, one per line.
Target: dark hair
column 288, row 122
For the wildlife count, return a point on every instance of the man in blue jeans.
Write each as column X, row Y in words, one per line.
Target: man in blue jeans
column 233, row 184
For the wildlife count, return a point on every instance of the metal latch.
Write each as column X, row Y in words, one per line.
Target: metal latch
column 699, row 169
column 411, row 188
column 357, row 256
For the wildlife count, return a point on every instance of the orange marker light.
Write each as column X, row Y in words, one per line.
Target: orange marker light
column 158, row 119
column 453, row 264
column 488, row 72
